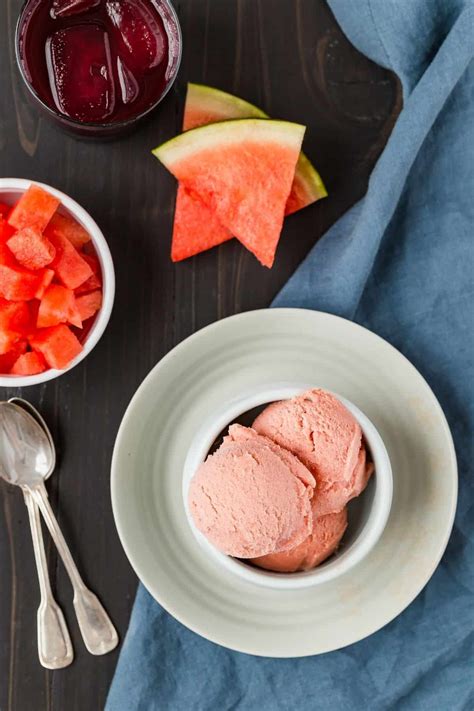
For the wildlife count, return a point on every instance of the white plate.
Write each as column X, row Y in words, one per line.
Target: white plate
column 222, row 363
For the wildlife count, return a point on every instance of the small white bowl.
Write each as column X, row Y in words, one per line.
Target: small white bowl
column 11, row 189
column 368, row 513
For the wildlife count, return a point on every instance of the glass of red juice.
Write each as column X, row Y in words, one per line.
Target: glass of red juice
column 98, row 66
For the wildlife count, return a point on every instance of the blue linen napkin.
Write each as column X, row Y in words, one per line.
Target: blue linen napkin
column 401, row 262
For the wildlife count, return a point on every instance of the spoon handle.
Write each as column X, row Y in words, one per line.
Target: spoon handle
column 97, row 630
column 54, row 643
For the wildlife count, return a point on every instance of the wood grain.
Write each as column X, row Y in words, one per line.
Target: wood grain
column 288, row 56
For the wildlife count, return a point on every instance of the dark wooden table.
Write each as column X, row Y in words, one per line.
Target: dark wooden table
column 290, row 58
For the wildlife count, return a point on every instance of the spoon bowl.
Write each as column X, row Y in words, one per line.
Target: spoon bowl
column 27, row 456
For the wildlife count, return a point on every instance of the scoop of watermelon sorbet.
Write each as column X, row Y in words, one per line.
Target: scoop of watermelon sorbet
column 251, row 498
column 320, row 544
column 318, row 429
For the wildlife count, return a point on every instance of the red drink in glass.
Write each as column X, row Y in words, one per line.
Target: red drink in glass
column 98, row 66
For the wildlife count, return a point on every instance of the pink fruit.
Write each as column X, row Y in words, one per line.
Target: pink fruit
column 58, row 305
column 58, row 345
column 30, row 363
column 31, row 249
column 243, row 172
column 35, row 208
column 89, row 304
column 70, row 267
column 68, row 227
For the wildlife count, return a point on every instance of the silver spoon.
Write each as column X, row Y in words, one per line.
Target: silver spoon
column 27, row 458
column 54, row 643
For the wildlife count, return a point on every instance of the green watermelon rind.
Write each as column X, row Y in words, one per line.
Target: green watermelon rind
column 208, row 99
column 221, row 103
column 214, row 135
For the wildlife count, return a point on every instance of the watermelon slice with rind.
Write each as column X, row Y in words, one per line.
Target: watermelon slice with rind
column 205, row 105
column 196, row 228
column 243, row 171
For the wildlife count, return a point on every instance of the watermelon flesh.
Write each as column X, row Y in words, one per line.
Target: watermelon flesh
column 31, row 249
column 30, row 363
column 14, row 322
column 58, row 305
column 7, row 360
column 35, row 208
column 57, row 344
column 89, row 304
column 16, row 283
column 40, row 319
column 70, row 267
column 95, row 281
column 243, row 171
column 205, row 105
column 6, row 230
column 47, row 276
column 196, row 228
column 66, row 226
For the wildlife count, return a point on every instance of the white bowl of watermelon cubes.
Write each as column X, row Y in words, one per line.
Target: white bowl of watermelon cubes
column 57, row 283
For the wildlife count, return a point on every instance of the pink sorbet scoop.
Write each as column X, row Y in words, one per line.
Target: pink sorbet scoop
column 323, row 434
column 320, row 544
column 251, row 497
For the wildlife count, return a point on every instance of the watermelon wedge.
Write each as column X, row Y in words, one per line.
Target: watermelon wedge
column 196, row 228
column 243, row 171
column 205, row 105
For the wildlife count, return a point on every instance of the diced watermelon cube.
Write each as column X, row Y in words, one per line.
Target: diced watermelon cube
column 16, row 283
column 7, row 360
column 31, row 249
column 6, row 230
column 66, row 226
column 58, row 305
column 93, row 262
column 30, row 363
column 70, row 267
column 95, row 281
column 47, row 276
column 35, row 208
column 89, row 304
column 58, row 345
column 14, row 322
column 33, row 306
column 4, row 209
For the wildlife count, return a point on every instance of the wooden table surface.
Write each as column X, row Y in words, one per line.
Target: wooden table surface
column 290, row 58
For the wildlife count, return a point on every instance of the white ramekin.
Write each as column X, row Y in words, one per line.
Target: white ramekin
column 11, row 189
column 368, row 514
